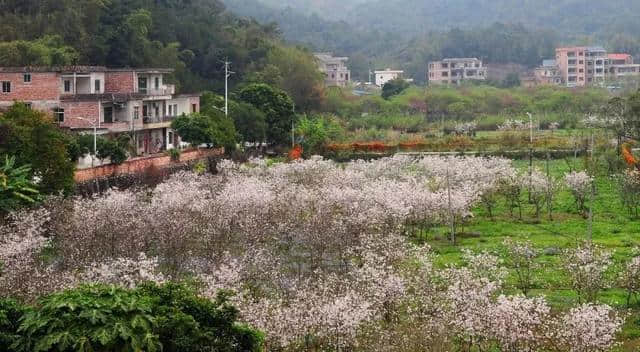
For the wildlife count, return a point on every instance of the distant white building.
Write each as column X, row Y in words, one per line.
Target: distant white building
column 335, row 70
column 382, row 77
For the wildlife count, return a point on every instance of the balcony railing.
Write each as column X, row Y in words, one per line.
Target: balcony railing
column 167, row 89
column 157, row 119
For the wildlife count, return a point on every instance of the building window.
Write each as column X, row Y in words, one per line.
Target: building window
column 194, row 107
column 58, row 115
column 136, row 112
column 67, row 86
column 27, row 78
column 145, row 111
column 169, row 137
column 29, row 105
column 170, row 110
column 157, row 83
column 175, row 109
column 6, row 87
column 142, row 85
column 97, row 86
column 445, row 74
column 108, row 114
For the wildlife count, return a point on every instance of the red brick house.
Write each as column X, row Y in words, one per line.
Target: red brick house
column 135, row 101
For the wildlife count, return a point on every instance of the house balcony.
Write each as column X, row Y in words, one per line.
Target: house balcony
column 150, row 122
column 166, row 90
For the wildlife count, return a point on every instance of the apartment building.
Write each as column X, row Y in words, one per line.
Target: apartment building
column 134, row 101
column 335, row 69
column 456, row 70
column 581, row 66
column 620, row 66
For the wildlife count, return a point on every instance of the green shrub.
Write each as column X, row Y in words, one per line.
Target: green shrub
column 166, row 318
column 10, row 314
column 200, row 167
column 174, row 154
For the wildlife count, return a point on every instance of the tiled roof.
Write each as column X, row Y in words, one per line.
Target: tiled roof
column 82, row 69
column 618, row 56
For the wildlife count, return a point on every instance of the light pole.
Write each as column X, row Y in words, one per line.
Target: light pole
column 227, row 74
column 95, row 136
column 530, row 152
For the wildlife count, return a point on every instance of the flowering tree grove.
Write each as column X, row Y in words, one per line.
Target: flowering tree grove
column 314, row 253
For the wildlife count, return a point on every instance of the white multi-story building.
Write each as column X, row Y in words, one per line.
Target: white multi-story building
column 384, row 76
column 456, row 70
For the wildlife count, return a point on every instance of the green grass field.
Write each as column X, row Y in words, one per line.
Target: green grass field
column 613, row 228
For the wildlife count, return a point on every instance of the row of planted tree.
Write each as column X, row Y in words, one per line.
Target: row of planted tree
column 315, row 255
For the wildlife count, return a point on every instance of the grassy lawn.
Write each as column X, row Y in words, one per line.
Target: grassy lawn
column 613, row 228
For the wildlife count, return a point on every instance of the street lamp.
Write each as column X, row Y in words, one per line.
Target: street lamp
column 95, row 136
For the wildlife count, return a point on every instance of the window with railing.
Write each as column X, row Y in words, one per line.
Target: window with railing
column 142, row 85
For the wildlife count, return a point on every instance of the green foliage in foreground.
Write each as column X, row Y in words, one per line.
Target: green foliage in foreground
column 16, row 189
column 166, row 318
column 34, row 139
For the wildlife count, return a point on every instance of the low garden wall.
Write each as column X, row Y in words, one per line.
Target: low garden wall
column 141, row 165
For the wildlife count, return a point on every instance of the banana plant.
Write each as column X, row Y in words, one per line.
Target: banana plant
column 16, row 187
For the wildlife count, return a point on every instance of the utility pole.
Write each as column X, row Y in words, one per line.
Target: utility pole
column 451, row 216
column 530, row 151
column 227, row 74
column 593, row 191
column 293, row 133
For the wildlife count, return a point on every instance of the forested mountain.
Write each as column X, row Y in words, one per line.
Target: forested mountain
column 193, row 36
column 573, row 17
column 407, row 33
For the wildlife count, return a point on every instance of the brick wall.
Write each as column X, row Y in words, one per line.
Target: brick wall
column 43, row 86
column 119, row 82
column 139, row 165
column 85, row 109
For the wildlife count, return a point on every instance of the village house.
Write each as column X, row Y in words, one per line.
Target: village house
column 582, row 66
column 384, row 76
column 548, row 73
column 335, row 70
column 455, row 71
column 113, row 101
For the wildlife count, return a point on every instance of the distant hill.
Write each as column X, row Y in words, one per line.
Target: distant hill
column 573, row 17
column 328, row 9
column 407, row 33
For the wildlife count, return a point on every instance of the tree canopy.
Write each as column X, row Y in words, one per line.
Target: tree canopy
column 34, row 139
column 277, row 107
